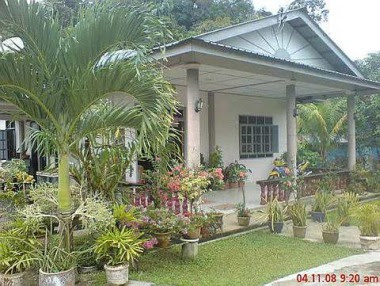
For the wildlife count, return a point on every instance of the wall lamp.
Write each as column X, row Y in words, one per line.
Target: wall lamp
column 199, row 105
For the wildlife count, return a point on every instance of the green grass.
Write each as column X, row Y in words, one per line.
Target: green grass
column 252, row 259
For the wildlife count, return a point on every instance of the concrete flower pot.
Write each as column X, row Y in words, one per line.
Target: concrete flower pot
column 63, row 278
column 244, row 220
column 88, row 269
column 318, row 216
column 163, row 239
column 368, row 242
column 16, row 279
column 330, row 237
column 117, row 275
column 299, row 231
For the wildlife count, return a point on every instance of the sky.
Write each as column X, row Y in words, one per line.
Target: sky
column 352, row 26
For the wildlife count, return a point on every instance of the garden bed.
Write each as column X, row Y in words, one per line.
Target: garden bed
column 251, row 259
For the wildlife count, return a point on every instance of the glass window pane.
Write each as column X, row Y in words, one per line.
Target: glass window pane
column 252, row 120
column 260, row 120
column 243, row 119
column 249, row 129
column 243, row 130
column 249, row 139
column 244, row 139
column 249, row 148
column 268, row 120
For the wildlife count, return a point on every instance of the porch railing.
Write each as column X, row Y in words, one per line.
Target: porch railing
column 274, row 188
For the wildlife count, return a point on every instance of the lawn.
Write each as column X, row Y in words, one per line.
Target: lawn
column 252, row 259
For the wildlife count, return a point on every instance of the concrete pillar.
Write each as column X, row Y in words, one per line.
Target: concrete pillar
column 291, row 126
column 211, row 122
column 193, row 136
column 351, row 150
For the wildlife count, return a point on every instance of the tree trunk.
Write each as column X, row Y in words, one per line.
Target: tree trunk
column 64, row 198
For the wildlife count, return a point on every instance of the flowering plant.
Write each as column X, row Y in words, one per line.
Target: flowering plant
column 194, row 186
column 150, row 243
column 160, row 221
column 216, row 178
column 236, row 172
column 191, row 221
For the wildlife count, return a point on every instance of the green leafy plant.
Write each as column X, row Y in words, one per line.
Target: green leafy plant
column 160, row 221
column 322, row 201
column 346, row 205
column 275, row 212
column 242, row 211
column 332, row 224
column 17, row 253
column 216, row 158
column 125, row 214
column 368, row 216
column 116, row 246
column 298, row 213
column 236, row 172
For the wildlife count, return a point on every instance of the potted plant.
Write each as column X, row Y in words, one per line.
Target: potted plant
column 161, row 223
column 236, row 174
column 57, row 266
column 191, row 225
column 118, row 247
column 330, row 230
column 275, row 213
column 243, row 215
column 345, row 206
column 368, row 216
column 86, row 258
column 322, row 200
column 17, row 255
column 298, row 214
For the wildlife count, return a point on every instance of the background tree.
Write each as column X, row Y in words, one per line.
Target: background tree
column 56, row 77
column 316, row 8
column 321, row 125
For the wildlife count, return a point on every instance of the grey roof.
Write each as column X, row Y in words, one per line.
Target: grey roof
column 230, row 49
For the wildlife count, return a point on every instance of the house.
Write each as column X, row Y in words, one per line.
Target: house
column 250, row 78
column 239, row 88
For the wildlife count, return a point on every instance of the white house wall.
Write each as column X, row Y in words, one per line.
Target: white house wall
column 227, row 110
column 270, row 40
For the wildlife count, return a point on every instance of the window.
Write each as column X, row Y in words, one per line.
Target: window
column 258, row 137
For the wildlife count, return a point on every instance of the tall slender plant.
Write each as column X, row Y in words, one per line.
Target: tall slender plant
column 55, row 76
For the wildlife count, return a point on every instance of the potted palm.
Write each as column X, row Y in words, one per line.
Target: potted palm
column 368, row 217
column 17, row 255
column 330, row 230
column 298, row 214
column 275, row 213
column 322, row 200
column 243, row 214
column 118, row 247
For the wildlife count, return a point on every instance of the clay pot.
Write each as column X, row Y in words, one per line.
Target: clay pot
column 163, row 239
column 330, row 237
column 195, row 234
column 299, row 231
column 244, row 220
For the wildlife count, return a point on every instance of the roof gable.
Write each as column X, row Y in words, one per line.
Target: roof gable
column 300, row 40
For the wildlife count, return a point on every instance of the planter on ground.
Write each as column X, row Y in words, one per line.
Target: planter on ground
column 276, row 227
column 63, row 278
column 87, row 269
column 117, row 275
column 234, row 185
column 244, row 220
column 299, row 231
column 330, row 237
column 369, row 242
column 318, row 216
column 16, row 279
column 163, row 239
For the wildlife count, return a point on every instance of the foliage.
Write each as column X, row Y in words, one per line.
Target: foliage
column 17, row 253
column 357, row 184
column 194, row 186
column 305, row 154
column 346, row 204
column 216, row 178
column 298, row 213
column 332, row 224
column 160, row 221
column 118, row 246
column 373, row 182
column 55, row 258
column 315, row 8
column 275, row 212
column 236, row 172
column 13, row 173
column 57, row 76
column 126, row 215
column 192, row 221
column 216, row 158
column 322, row 201
column 15, row 199
column 368, row 216
column 321, row 125
column 242, row 211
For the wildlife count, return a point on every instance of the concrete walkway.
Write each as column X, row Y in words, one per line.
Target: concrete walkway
column 226, row 200
column 364, row 266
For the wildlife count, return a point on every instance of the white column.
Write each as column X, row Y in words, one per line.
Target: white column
column 193, row 138
column 351, row 132
column 291, row 126
column 211, row 122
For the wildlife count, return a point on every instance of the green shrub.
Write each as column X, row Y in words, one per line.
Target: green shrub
column 216, row 158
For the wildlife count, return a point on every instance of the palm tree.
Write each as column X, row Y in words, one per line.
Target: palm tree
column 321, row 124
column 57, row 75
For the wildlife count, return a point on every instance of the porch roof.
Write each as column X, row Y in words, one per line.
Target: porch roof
column 233, row 70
